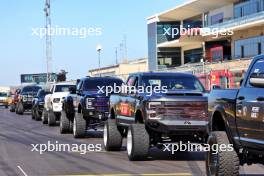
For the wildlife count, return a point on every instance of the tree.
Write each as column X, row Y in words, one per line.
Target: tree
column 61, row 76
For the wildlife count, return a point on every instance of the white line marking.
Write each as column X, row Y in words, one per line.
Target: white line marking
column 23, row 172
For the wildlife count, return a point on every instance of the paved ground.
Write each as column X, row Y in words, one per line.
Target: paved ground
column 17, row 133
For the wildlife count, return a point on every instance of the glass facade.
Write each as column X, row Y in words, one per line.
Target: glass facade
column 218, row 18
column 193, row 56
column 169, row 57
column 194, row 22
column 249, row 47
column 248, row 7
column 167, row 31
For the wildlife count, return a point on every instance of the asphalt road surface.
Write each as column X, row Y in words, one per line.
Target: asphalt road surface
column 17, row 133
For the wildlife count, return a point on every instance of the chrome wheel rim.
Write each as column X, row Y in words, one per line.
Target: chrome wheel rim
column 105, row 135
column 129, row 142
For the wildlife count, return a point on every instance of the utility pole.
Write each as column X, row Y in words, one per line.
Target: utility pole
column 48, row 46
column 116, row 56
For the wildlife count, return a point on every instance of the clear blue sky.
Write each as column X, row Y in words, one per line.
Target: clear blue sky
column 20, row 52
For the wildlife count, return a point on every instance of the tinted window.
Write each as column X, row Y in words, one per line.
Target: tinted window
column 31, row 89
column 174, row 82
column 42, row 93
column 257, row 68
column 2, row 94
column 62, row 88
column 92, row 84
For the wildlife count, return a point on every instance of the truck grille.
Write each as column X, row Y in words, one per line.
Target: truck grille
column 183, row 110
column 101, row 104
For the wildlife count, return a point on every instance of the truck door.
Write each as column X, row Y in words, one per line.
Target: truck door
column 250, row 110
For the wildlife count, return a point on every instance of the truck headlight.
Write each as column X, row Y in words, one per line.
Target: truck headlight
column 89, row 103
column 151, row 110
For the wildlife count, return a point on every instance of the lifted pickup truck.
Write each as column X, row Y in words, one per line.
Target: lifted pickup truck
column 175, row 110
column 38, row 104
column 14, row 100
column 236, row 118
column 53, row 103
column 25, row 98
column 90, row 108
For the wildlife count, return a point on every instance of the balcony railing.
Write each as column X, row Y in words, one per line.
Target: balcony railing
column 239, row 21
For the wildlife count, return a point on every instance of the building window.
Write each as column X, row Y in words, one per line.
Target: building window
column 169, row 57
column 249, row 7
column 193, row 56
column 218, row 18
column 249, row 47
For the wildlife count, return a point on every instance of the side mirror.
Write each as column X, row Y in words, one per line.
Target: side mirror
column 72, row 90
column 216, row 87
column 257, row 80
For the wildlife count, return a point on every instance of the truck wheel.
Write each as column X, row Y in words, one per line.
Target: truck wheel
column 33, row 114
column 44, row 117
column 112, row 136
column 138, row 142
column 20, row 109
column 37, row 115
column 51, row 118
column 79, row 126
column 12, row 108
column 64, row 123
column 222, row 162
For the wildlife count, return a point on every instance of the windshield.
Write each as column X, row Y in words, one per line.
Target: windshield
column 3, row 94
column 62, row 88
column 94, row 84
column 42, row 93
column 31, row 89
column 174, row 82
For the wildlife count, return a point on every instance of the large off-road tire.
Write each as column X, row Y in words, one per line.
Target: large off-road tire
column 20, row 109
column 37, row 115
column 44, row 117
column 65, row 123
column 51, row 118
column 79, row 126
column 223, row 162
column 33, row 114
column 112, row 136
column 138, row 142
column 12, row 108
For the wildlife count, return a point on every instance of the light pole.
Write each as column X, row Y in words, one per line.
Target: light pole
column 99, row 49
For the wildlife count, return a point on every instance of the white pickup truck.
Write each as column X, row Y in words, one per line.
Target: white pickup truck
column 53, row 102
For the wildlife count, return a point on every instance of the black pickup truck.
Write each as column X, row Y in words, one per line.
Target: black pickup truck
column 237, row 118
column 89, row 108
column 25, row 98
column 157, row 108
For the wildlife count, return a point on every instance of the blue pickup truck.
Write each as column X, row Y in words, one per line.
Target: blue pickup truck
column 237, row 118
column 89, row 107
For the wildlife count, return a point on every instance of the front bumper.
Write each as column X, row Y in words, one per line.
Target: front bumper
column 179, row 127
column 27, row 105
column 96, row 114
